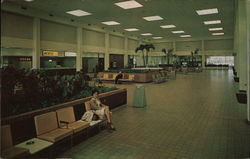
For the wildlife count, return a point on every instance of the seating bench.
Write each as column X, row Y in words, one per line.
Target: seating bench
column 47, row 128
column 111, row 77
column 7, row 148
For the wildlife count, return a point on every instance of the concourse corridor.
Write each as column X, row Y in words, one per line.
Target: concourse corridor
column 194, row 116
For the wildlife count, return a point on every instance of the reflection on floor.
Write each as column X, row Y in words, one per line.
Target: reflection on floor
column 194, row 116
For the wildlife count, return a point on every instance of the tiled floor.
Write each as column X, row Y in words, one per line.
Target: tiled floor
column 194, row 116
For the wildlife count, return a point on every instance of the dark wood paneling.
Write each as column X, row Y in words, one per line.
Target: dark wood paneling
column 118, row 59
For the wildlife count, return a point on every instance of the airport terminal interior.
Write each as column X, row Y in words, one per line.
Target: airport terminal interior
column 127, row 79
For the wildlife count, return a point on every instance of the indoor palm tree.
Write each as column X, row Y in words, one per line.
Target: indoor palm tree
column 147, row 48
column 168, row 53
column 195, row 52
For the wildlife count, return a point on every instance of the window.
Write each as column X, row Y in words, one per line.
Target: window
column 220, row 60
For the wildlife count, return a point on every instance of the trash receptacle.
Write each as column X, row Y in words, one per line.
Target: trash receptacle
column 139, row 97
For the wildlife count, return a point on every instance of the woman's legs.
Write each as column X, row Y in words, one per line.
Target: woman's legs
column 107, row 113
column 109, row 116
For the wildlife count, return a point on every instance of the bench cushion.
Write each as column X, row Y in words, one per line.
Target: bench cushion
column 66, row 114
column 125, row 76
column 78, row 126
column 45, row 123
column 56, row 135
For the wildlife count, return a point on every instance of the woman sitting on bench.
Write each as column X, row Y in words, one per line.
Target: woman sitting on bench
column 101, row 109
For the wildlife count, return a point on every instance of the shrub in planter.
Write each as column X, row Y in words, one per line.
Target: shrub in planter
column 39, row 90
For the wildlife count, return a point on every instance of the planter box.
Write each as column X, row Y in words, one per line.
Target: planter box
column 138, row 77
column 23, row 126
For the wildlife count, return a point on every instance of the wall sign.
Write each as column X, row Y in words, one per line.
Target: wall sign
column 70, row 54
column 24, row 58
column 50, row 53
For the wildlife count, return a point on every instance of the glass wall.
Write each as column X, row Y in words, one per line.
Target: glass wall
column 220, row 60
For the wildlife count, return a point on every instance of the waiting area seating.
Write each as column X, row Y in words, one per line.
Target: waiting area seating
column 47, row 128
column 52, row 129
column 111, row 77
column 66, row 119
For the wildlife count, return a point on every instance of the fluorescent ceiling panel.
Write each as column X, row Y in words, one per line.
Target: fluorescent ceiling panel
column 110, row 23
column 128, row 4
column 131, row 29
column 168, row 26
column 217, row 33
column 28, row 0
column 146, row 34
column 212, row 22
column 215, row 29
column 153, row 18
column 178, row 32
column 185, row 36
column 78, row 13
column 207, row 11
column 157, row 37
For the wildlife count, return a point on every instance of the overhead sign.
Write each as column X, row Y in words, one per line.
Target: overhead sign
column 70, row 54
column 50, row 53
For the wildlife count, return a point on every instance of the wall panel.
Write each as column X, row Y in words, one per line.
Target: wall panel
column 93, row 38
column 116, row 42
column 18, row 26
column 56, row 32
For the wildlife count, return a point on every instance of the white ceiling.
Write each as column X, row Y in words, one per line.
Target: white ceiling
column 181, row 13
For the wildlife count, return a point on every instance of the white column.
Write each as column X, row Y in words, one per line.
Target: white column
column 79, row 49
column 242, row 47
column 106, row 58
column 174, row 46
column 203, row 56
column 126, row 52
column 248, row 61
column 36, row 44
column 236, row 39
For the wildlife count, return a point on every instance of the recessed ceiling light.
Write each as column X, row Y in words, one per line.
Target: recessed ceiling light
column 157, row 37
column 212, row 22
column 146, row 34
column 153, row 18
column 28, row 0
column 168, row 26
column 178, row 32
column 78, row 13
column 131, row 29
column 207, row 11
column 110, row 23
column 217, row 33
column 129, row 4
column 185, row 36
column 215, row 29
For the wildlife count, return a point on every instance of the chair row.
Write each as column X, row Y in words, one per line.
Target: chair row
column 159, row 78
column 53, row 127
column 111, row 77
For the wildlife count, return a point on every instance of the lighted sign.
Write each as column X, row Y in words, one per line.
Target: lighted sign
column 50, row 53
column 25, row 59
column 70, row 54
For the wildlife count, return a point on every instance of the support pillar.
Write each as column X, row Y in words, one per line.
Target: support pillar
column 106, row 57
column 126, row 52
column 36, row 44
column 242, row 45
column 79, row 49
column 203, row 56
column 248, row 61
